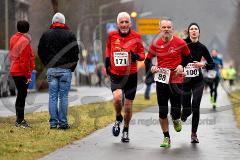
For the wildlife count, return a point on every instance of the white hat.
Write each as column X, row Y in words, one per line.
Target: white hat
column 58, row 17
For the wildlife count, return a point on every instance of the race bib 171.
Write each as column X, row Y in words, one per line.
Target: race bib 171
column 121, row 58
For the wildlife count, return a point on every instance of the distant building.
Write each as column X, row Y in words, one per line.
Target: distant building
column 16, row 10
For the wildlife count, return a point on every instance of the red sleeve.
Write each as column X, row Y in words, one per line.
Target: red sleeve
column 185, row 49
column 27, row 61
column 32, row 61
column 151, row 52
column 140, row 49
column 108, row 46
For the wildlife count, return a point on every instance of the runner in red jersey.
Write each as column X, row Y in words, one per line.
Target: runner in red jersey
column 172, row 55
column 119, row 49
column 124, row 48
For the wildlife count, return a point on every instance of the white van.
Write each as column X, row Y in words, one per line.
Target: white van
column 7, row 85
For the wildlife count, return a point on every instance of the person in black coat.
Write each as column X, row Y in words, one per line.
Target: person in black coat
column 193, row 85
column 58, row 51
column 148, row 81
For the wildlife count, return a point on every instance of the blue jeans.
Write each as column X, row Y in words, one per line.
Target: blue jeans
column 59, row 82
column 147, row 91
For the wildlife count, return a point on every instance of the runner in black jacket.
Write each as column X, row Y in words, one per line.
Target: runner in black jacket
column 193, row 85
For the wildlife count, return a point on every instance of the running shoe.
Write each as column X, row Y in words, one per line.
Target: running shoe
column 194, row 138
column 53, row 127
column 166, row 142
column 212, row 100
column 177, row 125
column 214, row 105
column 116, row 128
column 64, row 127
column 23, row 124
column 125, row 138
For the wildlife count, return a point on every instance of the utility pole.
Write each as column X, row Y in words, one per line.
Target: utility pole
column 6, row 25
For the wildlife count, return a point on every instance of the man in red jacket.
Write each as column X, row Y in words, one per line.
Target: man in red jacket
column 124, row 48
column 22, row 65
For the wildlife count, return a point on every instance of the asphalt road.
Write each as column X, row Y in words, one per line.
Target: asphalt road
column 218, row 135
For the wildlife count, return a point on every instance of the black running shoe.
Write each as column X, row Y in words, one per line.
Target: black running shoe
column 64, row 127
column 23, row 124
column 116, row 128
column 214, row 106
column 53, row 127
column 125, row 138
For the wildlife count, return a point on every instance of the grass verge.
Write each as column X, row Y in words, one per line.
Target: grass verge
column 32, row 143
column 235, row 100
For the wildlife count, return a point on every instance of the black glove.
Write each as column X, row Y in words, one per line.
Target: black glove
column 107, row 65
column 134, row 56
column 148, row 65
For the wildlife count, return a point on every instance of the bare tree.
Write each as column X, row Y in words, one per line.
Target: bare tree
column 55, row 5
column 234, row 39
column 79, row 14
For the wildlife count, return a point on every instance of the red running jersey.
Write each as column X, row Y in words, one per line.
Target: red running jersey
column 118, row 49
column 169, row 55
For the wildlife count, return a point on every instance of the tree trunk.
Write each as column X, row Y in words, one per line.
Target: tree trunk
column 55, row 5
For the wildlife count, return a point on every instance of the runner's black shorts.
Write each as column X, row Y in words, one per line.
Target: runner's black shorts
column 128, row 83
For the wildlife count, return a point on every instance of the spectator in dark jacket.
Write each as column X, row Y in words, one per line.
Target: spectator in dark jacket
column 58, row 51
column 148, row 81
column 22, row 65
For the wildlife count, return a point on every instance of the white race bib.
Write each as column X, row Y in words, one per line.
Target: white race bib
column 121, row 58
column 163, row 75
column 211, row 74
column 191, row 71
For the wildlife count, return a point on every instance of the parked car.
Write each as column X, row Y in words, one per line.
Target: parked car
column 7, row 85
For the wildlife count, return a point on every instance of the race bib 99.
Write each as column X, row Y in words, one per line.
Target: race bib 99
column 121, row 58
column 162, row 76
column 191, row 71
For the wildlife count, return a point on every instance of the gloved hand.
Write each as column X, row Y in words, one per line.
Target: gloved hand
column 134, row 56
column 108, row 71
column 107, row 65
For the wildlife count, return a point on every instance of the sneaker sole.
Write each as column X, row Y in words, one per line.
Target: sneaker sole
column 23, row 127
column 125, row 141
column 178, row 130
column 165, row 146
column 63, row 128
column 194, row 141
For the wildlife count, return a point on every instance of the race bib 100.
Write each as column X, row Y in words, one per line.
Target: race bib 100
column 162, row 76
column 191, row 71
column 121, row 58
